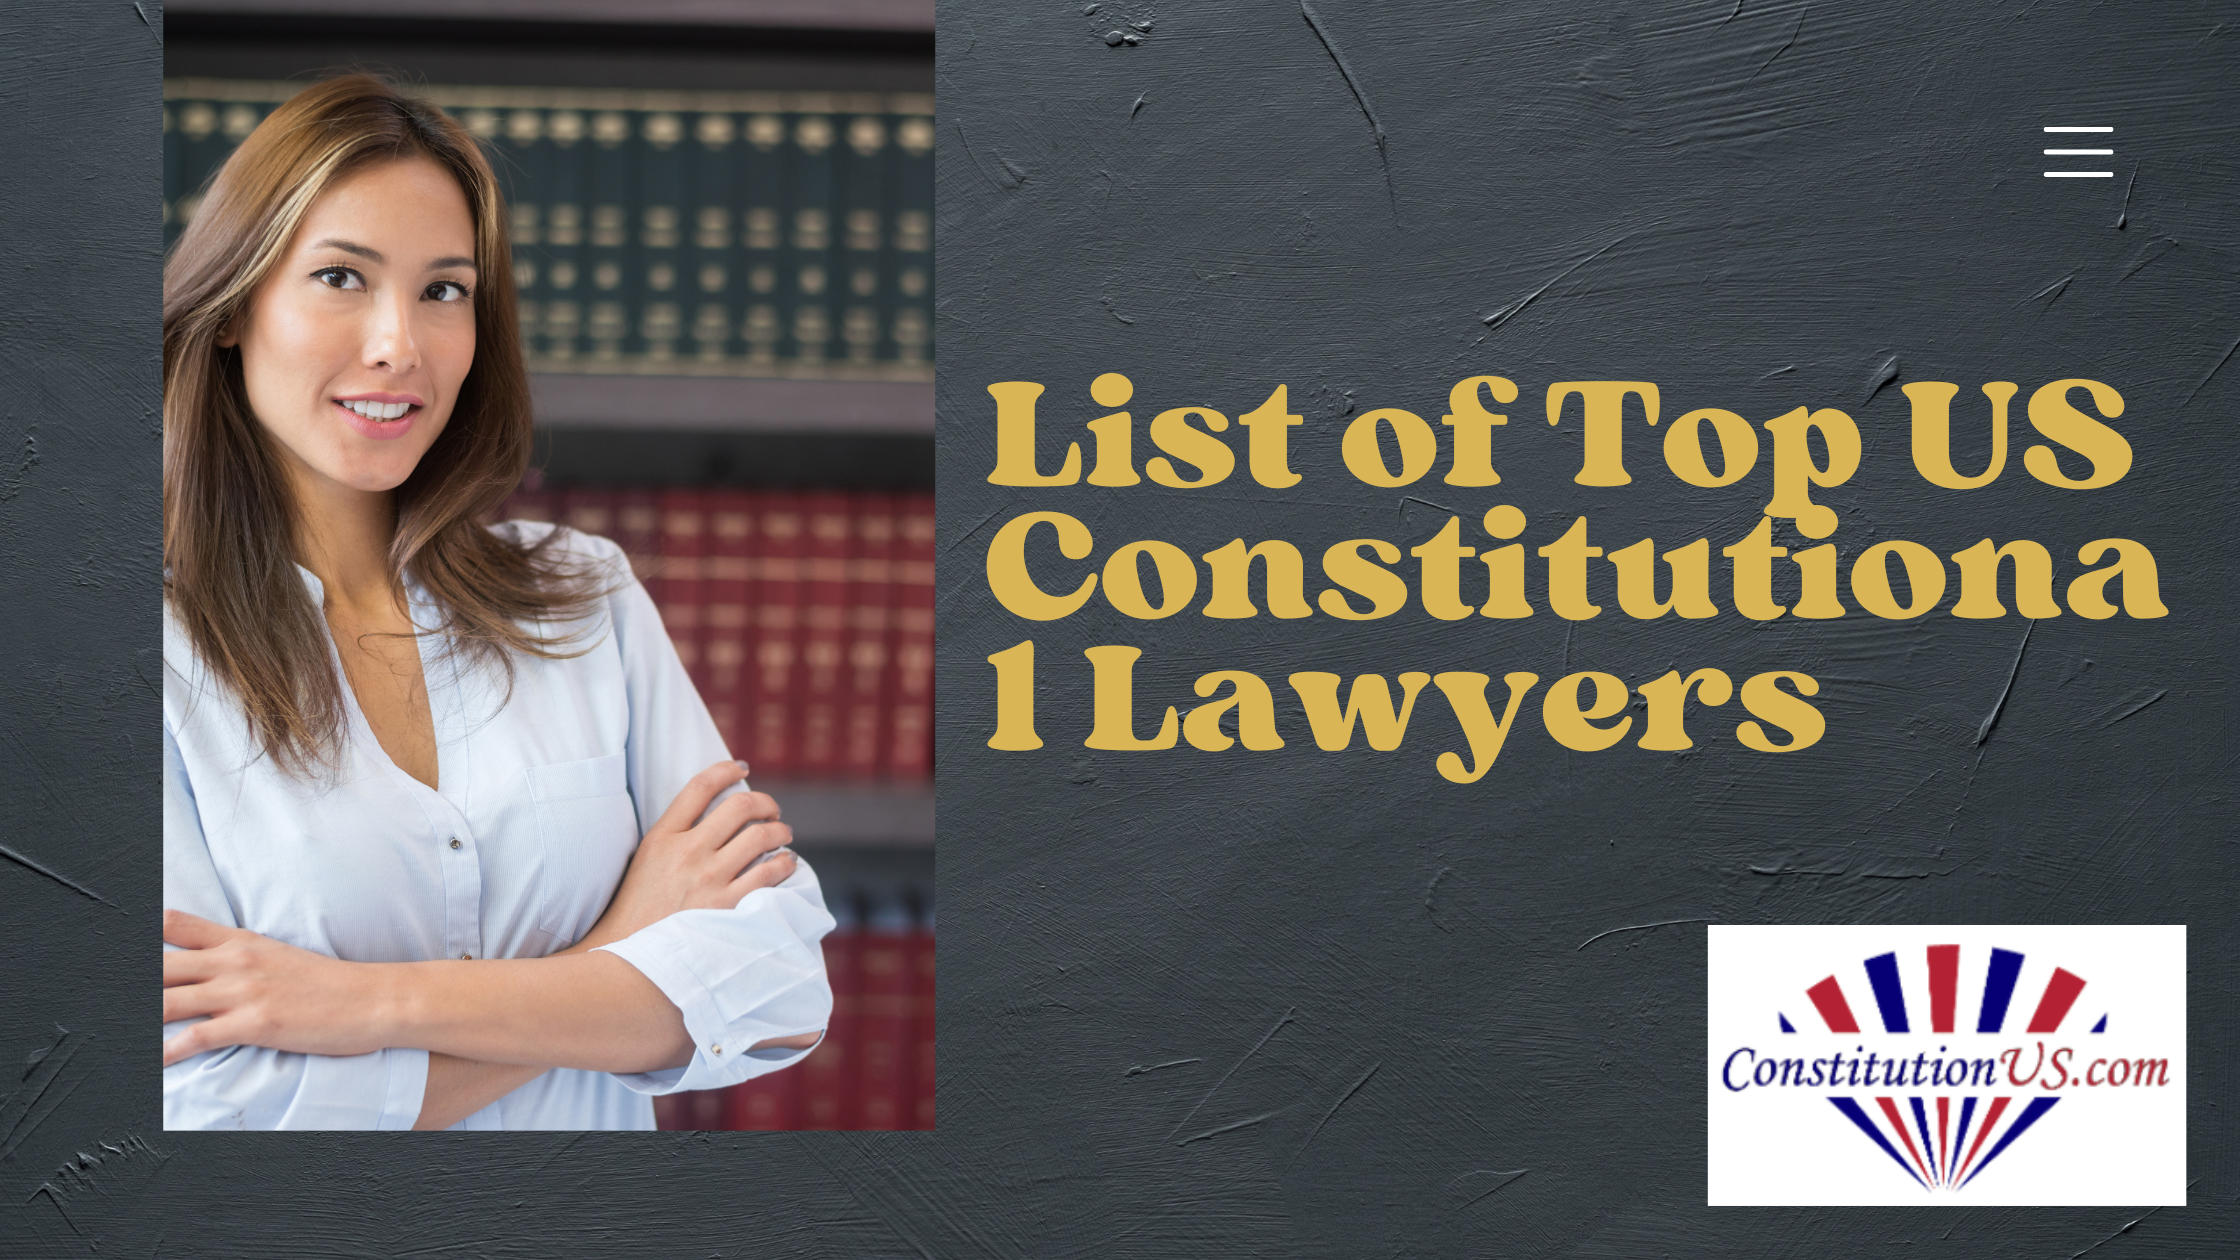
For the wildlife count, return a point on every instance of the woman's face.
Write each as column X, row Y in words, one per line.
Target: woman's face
column 354, row 347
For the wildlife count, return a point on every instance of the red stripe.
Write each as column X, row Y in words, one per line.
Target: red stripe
column 1944, row 1118
column 1890, row 1109
column 1828, row 996
column 1997, row 1105
column 2061, row 993
column 1944, row 980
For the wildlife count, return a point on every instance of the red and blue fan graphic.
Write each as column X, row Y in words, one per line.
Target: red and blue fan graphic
column 1952, row 1148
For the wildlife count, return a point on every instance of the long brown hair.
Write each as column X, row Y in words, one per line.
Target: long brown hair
column 229, row 518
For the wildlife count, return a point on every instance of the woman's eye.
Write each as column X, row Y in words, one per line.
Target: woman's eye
column 447, row 291
column 339, row 278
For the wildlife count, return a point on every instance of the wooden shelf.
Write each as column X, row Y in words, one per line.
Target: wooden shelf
column 736, row 404
column 855, row 815
column 856, row 15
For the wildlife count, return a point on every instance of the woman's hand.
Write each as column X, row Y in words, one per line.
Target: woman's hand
column 260, row 992
column 696, row 858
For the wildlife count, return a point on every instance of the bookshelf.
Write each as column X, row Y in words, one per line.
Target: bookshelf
column 722, row 214
column 593, row 401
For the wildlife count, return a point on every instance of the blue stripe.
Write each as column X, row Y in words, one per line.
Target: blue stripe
column 1866, row 1126
column 1998, row 989
column 1960, row 1142
column 1882, row 972
column 2030, row 1114
column 1921, row 1119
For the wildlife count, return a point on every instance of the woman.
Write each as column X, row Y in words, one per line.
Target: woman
column 408, row 758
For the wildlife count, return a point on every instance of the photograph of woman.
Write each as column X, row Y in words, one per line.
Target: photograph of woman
column 450, row 841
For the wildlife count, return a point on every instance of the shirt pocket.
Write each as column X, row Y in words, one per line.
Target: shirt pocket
column 588, row 825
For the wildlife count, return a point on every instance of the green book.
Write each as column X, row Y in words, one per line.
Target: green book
column 911, row 238
column 707, row 233
column 812, row 256
column 764, row 212
column 663, row 150
column 710, row 274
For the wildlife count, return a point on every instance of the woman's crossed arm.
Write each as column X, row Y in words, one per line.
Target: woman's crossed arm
column 490, row 1025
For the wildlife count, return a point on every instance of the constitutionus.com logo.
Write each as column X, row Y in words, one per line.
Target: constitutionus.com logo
column 1956, row 1065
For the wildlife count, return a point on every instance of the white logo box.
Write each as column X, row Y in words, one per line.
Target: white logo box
column 2099, row 1143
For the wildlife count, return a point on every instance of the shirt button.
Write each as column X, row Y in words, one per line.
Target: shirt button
column 466, row 958
column 454, row 842
column 715, row 1049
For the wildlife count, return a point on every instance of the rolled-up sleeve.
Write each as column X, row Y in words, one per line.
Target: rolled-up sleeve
column 740, row 976
column 249, row 1087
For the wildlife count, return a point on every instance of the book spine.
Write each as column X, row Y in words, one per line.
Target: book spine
column 921, row 1085
column 174, row 171
column 566, row 197
column 637, row 530
column 517, row 155
column 612, row 255
column 912, row 239
column 824, row 632
column 728, row 592
column 869, row 590
column 662, row 157
column 712, row 272
column 884, row 1020
column 910, row 755
column 692, row 1110
column 684, row 536
column 708, row 1108
column 209, row 132
column 762, row 220
column 777, row 622
column 863, row 232
column 591, row 510
column 811, row 258
column 827, row 1075
column 764, row 1104
column 527, row 504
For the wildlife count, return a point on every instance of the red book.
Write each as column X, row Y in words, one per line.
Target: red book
column 777, row 625
column 727, row 589
column 765, row 1103
column 884, row 1018
column 825, row 1078
column 869, row 592
column 529, row 504
column 637, row 527
column 589, row 510
column 824, row 633
column 684, row 535
column 693, row 1109
column 910, row 756
column 921, row 1090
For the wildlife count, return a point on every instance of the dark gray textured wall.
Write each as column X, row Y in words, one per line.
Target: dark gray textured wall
column 1296, row 1003
column 80, row 592
column 1758, row 207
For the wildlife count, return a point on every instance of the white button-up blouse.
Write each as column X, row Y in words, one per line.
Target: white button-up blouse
column 542, row 794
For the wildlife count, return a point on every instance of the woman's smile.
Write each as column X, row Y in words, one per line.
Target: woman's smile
column 381, row 416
